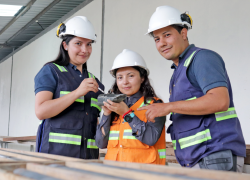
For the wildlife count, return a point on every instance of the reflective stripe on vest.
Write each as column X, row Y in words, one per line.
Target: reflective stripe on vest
column 91, row 75
column 65, row 138
column 148, row 102
column 188, row 60
column 61, row 68
column 162, row 153
column 195, row 139
column 191, row 98
column 114, row 135
column 80, row 99
column 230, row 113
column 94, row 104
column 91, row 144
column 127, row 134
column 174, row 144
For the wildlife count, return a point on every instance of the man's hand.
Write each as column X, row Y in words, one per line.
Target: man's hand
column 156, row 110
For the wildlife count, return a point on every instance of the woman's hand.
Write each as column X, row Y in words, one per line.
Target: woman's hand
column 88, row 84
column 106, row 111
column 119, row 108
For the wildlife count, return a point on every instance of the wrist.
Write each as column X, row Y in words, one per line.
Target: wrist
column 127, row 112
column 106, row 113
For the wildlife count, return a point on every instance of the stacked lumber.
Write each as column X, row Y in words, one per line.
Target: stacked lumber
column 22, row 165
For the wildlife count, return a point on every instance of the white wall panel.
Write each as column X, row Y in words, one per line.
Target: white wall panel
column 218, row 25
column 5, row 81
column 29, row 61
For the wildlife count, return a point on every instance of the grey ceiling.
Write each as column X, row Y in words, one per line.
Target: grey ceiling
column 25, row 27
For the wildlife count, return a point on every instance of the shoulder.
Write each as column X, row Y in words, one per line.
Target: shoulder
column 208, row 57
column 46, row 70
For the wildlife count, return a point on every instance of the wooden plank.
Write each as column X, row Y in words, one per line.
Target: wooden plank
column 52, row 156
column 10, row 176
column 66, row 174
column 171, row 159
column 196, row 173
column 247, row 159
column 170, row 152
column 23, row 138
column 21, row 156
column 127, row 172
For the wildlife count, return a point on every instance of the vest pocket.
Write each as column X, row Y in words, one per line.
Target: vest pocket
column 65, row 142
column 130, row 141
column 192, row 143
column 113, row 139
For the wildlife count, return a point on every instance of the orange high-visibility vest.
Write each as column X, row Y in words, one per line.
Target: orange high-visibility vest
column 123, row 146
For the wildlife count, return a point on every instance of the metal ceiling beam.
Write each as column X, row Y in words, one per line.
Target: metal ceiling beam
column 16, row 17
column 34, row 19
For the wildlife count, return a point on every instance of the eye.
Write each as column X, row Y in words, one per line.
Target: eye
column 131, row 75
column 119, row 77
column 167, row 35
column 89, row 44
column 78, row 43
column 157, row 39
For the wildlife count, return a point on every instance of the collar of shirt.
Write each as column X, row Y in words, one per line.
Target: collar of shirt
column 74, row 67
column 173, row 66
column 133, row 99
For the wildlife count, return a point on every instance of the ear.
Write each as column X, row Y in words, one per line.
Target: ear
column 65, row 46
column 184, row 34
column 142, row 80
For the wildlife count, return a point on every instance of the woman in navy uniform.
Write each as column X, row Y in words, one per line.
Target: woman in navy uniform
column 66, row 95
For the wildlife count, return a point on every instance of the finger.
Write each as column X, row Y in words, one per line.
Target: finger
column 111, row 102
column 93, row 81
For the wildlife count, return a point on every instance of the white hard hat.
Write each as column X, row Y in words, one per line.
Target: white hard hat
column 128, row 58
column 166, row 16
column 78, row 26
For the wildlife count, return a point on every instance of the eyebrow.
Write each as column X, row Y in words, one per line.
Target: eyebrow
column 162, row 34
column 127, row 74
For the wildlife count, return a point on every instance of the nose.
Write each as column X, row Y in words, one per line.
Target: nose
column 162, row 43
column 84, row 48
column 125, row 81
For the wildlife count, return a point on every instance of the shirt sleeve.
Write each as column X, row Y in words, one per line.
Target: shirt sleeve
column 100, row 139
column 46, row 79
column 207, row 71
column 148, row 132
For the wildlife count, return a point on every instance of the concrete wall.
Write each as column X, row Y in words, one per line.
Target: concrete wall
column 5, row 81
column 218, row 25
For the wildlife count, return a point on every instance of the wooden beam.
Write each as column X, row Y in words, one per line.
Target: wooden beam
column 66, row 174
column 10, row 176
column 24, row 138
column 196, row 173
column 21, row 156
column 126, row 172
column 52, row 156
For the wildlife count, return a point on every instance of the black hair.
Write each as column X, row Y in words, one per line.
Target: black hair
column 146, row 89
column 177, row 27
column 62, row 58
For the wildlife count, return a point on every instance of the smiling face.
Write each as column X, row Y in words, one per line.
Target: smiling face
column 170, row 43
column 128, row 80
column 79, row 50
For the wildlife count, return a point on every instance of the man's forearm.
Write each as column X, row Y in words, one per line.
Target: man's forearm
column 207, row 104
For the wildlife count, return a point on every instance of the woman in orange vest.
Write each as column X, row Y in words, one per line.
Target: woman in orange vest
column 123, row 130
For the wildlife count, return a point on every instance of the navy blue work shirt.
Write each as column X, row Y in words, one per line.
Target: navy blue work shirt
column 206, row 71
column 47, row 79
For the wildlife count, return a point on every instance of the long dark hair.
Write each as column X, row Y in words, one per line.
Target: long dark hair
column 146, row 89
column 62, row 58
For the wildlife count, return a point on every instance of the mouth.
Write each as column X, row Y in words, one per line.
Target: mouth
column 127, row 88
column 83, row 56
column 166, row 50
